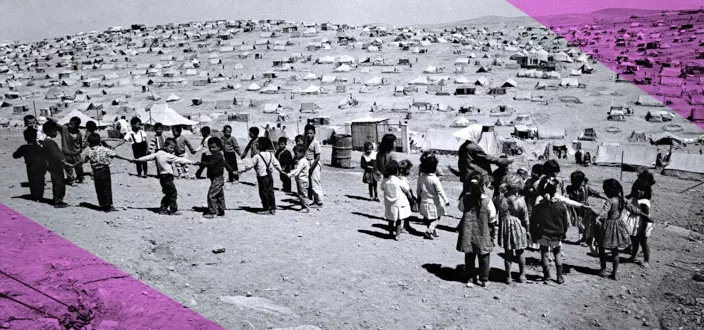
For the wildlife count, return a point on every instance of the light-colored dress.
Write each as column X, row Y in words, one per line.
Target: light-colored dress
column 636, row 224
column 395, row 201
column 432, row 196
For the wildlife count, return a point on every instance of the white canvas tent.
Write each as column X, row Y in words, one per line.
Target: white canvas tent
column 84, row 119
column 686, row 166
column 164, row 114
column 632, row 156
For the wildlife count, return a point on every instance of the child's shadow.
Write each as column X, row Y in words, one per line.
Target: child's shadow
column 150, row 209
column 359, row 198
column 251, row 209
column 456, row 274
column 29, row 198
column 375, row 234
column 90, row 206
column 373, row 217
column 247, row 183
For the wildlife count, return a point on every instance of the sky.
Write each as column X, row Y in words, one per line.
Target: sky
column 38, row 19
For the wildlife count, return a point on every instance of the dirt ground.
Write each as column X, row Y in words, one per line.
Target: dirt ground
column 336, row 268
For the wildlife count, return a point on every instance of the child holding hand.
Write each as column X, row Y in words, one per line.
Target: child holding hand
column 301, row 173
column 432, row 196
column 367, row 163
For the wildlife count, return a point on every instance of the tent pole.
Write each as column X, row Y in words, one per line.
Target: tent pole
column 34, row 103
column 621, row 176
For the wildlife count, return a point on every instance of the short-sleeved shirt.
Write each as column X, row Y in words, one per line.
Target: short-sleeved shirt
column 100, row 156
column 136, row 137
column 313, row 149
column 124, row 127
column 204, row 144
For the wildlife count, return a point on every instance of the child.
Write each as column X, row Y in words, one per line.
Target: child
column 72, row 147
column 55, row 163
column 231, row 151
column 549, row 222
column 432, row 197
column 99, row 158
column 300, row 140
column 157, row 142
column 35, row 162
column 286, row 161
column 579, row 191
column 300, row 172
column 252, row 145
column 32, row 123
column 530, row 188
column 180, row 151
column 140, row 147
column 367, row 164
column 404, row 171
column 205, row 157
column 216, row 166
column 91, row 127
column 611, row 231
column 513, row 226
column 315, row 191
column 641, row 193
column 164, row 160
column 262, row 163
column 397, row 208
column 476, row 229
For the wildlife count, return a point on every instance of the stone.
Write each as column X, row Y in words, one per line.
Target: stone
column 259, row 304
column 300, row 327
column 218, row 250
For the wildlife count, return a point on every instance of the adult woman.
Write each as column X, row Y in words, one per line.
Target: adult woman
column 473, row 158
column 385, row 154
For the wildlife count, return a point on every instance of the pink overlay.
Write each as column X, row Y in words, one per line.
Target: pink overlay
column 43, row 277
column 662, row 52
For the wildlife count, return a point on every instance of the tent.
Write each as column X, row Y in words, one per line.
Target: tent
column 551, row 133
column 444, row 141
column 308, row 107
column 666, row 139
column 461, row 80
column 616, row 115
column 172, row 98
column 509, row 83
column 481, row 81
column 589, row 134
column 430, row 69
column 532, row 150
column 499, row 122
column 523, row 96
column 343, row 68
column 419, row 81
column 659, row 116
column 648, row 101
column 312, row 89
column 569, row 82
column 84, row 119
column 328, row 79
column 162, row 113
column 375, row 81
column 686, row 166
column 632, row 156
column 522, row 120
column 637, row 136
column 271, row 107
column 253, row 87
column 502, row 110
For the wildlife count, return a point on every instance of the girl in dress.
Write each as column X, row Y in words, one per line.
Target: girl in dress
column 513, row 226
column 404, row 171
column 397, row 209
column 640, row 196
column 611, row 231
column 579, row 191
column 367, row 164
column 476, row 229
column 432, row 197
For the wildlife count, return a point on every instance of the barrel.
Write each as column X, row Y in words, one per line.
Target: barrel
column 342, row 151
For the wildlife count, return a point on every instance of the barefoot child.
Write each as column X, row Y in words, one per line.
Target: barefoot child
column 432, row 197
column 549, row 223
column 641, row 193
column 182, row 143
column 476, row 229
column 216, row 173
column 367, row 164
column 262, row 163
column 35, row 162
column 397, row 208
column 164, row 161
column 300, row 173
column 513, row 226
column 55, row 163
column 100, row 160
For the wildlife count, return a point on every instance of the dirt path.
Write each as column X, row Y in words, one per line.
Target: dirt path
column 335, row 268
